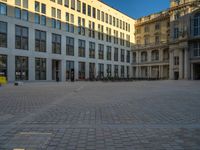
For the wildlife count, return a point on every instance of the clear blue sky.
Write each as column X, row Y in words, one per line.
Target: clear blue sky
column 138, row 8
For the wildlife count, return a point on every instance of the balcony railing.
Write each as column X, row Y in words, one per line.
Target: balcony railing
column 143, row 46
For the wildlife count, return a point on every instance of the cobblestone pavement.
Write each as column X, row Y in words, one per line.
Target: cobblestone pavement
column 157, row 115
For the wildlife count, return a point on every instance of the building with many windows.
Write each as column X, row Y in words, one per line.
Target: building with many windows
column 150, row 56
column 49, row 39
column 184, row 39
column 53, row 39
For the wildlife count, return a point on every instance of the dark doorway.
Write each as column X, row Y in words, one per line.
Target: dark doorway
column 176, row 75
column 196, row 71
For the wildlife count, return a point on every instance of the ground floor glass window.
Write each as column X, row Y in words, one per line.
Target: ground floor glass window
column 21, row 68
column 3, row 65
column 40, row 68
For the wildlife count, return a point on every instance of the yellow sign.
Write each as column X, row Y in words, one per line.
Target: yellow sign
column 3, row 80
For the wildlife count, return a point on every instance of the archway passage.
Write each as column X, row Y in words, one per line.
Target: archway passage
column 196, row 71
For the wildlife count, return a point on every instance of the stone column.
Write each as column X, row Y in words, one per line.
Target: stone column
column 181, row 64
column 63, row 70
column 187, row 65
column 192, row 72
column 171, row 65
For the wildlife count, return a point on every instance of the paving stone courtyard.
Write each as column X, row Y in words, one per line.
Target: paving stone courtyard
column 146, row 115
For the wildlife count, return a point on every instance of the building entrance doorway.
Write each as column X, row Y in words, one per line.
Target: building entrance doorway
column 176, row 75
column 196, row 71
column 56, row 70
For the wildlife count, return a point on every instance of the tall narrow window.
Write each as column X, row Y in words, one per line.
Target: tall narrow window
column 73, row 4
column 40, row 41
column 101, row 71
column 21, row 37
column 109, row 53
column 116, row 55
column 40, row 68
column 122, row 55
column 81, row 70
column 91, row 49
column 69, row 46
column 69, row 69
column 81, row 48
column 101, row 51
column 3, row 34
column 128, row 56
column 3, row 65
column 21, row 68
column 56, row 43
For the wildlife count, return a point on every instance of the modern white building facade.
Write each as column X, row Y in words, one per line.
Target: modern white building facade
column 46, row 40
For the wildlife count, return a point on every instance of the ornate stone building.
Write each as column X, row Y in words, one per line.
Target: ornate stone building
column 151, row 51
column 184, row 39
column 168, row 43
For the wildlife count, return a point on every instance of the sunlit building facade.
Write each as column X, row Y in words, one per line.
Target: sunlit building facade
column 55, row 39
column 46, row 40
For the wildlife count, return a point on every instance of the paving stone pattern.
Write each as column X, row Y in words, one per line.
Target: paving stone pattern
column 154, row 115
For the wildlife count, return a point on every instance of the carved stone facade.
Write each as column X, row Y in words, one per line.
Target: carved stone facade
column 168, row 43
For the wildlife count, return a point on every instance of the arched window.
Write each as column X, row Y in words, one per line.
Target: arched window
column 197, row 24
column 155, row 55
column 144, row 56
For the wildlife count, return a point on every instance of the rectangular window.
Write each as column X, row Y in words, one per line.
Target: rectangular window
column 69, row 46
column 58, row 13
column 81, row 48
column 43, row 9
column 59, row 2
column 73, row 4
column 40, row 41
column 109, row 70
column 196, row 49
column 122, row 55
column 56, row 43
column 66, row 3
column 25, row 3
column 18, row 2
column 101, row 51
column 91, row 70
column 98, row 14
column 89, row 10
column 53, row 12
column 78, row 6
column 94, row 12
column 128, row 56
column 176, row 32
column 37, row 19
column 25, row 15
column 3, row 65
column 109, row 53
column 116, row 55
column 37, row 6
column 102, row 16
column 21, row 37
column 176, row 60
column 21, row 68
column 69, row 69
column 101, row 71
column 116, row 71
column 40, row 68
column 3, row 34
column 17, row 13
column 91, row 49
column 81, row 70
column 43, row 20
column 84, row 8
